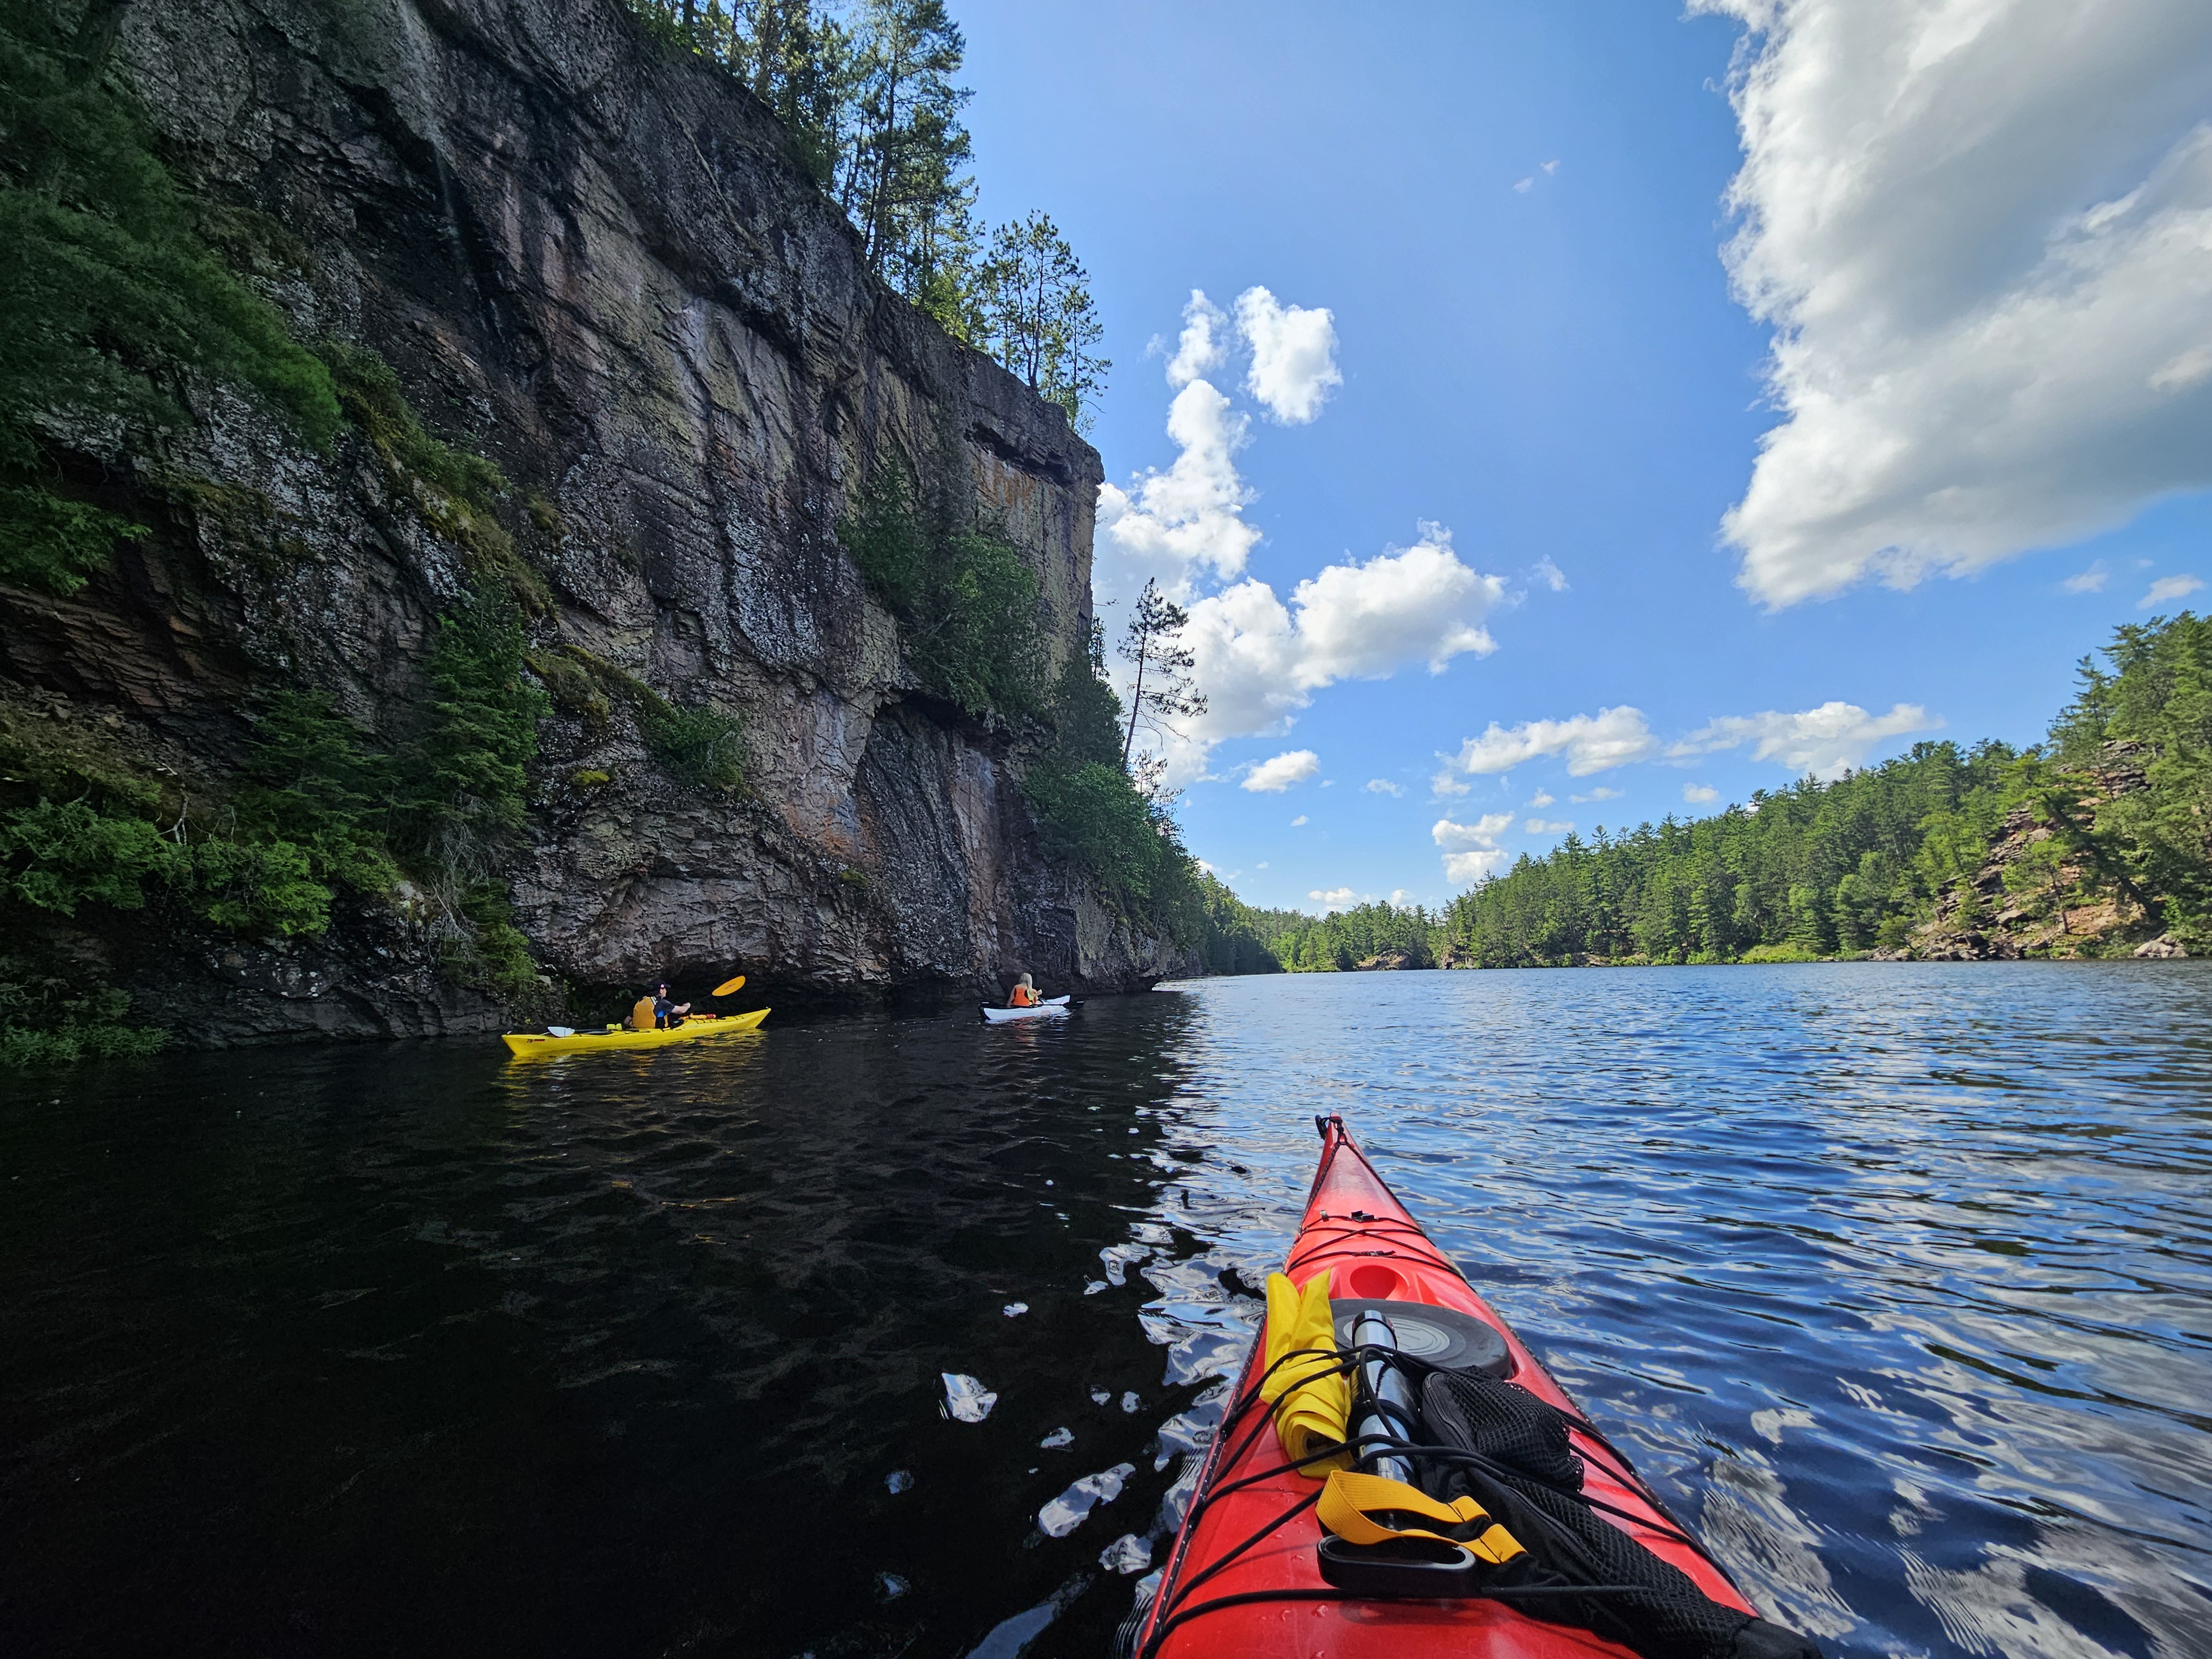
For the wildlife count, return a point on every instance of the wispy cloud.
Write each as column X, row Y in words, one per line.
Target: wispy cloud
column 2091, row 580
column 1603, row 791
column 1826, row 741
column 1542, row 827
column 1591, row 743
column 1299, row 823
column 2168, row 587
column 1384, row 787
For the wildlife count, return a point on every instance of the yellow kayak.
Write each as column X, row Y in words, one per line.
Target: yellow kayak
column 528, row 1046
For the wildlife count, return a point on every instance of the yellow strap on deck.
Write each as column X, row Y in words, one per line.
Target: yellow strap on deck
column 1351, row 1501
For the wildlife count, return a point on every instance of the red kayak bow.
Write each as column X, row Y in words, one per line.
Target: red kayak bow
column 1243, row 1580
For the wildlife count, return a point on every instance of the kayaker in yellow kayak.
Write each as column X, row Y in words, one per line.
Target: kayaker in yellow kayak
column 653, row 1011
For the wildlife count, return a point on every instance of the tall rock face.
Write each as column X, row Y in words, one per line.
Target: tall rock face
column 595, row 263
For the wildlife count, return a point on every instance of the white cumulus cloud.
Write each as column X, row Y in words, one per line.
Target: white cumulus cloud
column 1299, row 823
column 1826, row 741
column 1471, row 850
column 1172, row 526
column 1331, row 898
column 2091, row 580
column 1258, row 660
column 1400, row 899
column 1293, row 354
column 1271, row 777
column 1201, row 346
column 2168, row 587
column 1591, row 743
column 1980, row 231
column 1542, row 797
column 1699, row 793
column 1384, row 787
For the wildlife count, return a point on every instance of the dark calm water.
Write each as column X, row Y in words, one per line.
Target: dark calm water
column 1896, row 1280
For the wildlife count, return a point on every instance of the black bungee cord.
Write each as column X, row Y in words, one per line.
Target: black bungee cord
column 1175, row 1609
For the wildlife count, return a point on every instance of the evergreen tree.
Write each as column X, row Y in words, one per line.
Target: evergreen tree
column 1041, row 322
column 901, row 165
column 1153, row 642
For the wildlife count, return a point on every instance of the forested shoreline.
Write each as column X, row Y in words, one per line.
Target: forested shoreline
column 2096, row 842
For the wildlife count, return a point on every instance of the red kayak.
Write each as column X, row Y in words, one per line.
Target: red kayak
column 1245, row 1576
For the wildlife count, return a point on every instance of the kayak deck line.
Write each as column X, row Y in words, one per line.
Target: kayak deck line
column 1407, row 1232
column 1247, row 1548
column 527, row 1045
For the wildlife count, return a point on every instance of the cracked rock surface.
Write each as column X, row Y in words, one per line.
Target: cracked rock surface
column 598, row 264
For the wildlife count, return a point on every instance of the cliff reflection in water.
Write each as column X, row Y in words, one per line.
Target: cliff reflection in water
column 1892, row 1279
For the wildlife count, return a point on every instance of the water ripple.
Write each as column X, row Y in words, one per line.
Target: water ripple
column 1897, row 1281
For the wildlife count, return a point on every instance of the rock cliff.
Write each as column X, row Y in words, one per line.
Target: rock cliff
column 2031, row 900
column 597, row 264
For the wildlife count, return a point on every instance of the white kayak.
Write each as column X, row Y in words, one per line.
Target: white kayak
column 1044, row 1010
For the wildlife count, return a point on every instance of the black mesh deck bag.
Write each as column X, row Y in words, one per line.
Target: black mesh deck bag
column 1523, row 1471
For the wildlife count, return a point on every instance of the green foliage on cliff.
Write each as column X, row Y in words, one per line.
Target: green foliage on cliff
column 702, row 746
column 466, row 779
column 80, row 825
column 2154, row 710
column 110, row 288
column 311, row 778
column 1091, row 815
column 1840, row 868
column 47, row 1018
column 869, row 99
column 966, row 601
column 318, row 806
column 455, row 492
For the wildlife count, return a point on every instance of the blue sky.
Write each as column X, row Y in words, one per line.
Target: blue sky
column 1551, row 363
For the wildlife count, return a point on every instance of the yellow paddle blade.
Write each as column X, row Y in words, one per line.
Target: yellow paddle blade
column 727, row 986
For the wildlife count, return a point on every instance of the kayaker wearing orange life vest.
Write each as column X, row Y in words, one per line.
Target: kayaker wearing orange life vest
column 1023, row 994
column 651, row 1011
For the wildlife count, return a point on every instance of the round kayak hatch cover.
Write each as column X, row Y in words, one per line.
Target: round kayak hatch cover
column 1442, row 1336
